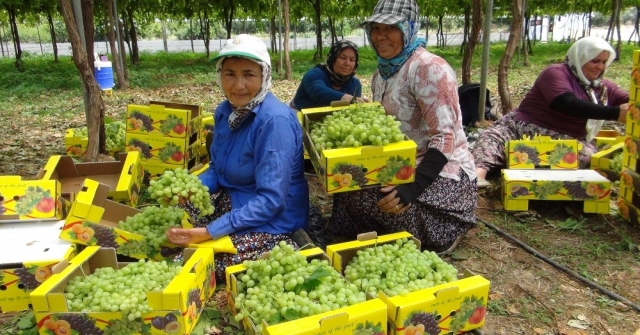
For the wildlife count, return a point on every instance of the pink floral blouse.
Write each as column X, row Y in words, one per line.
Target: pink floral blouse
column 423, row 95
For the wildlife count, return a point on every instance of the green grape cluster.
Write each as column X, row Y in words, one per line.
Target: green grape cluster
column 119, row 290
column 169, row 123
column 355, row 126
column 124, row 327
column 398, row 269
column 153, row 222
column 615, row 163
column 134, row 248
column 32, row 196
column 173, row 184
column 170, row 151
column 285, row 286
column 545, row 189
column 115, row 133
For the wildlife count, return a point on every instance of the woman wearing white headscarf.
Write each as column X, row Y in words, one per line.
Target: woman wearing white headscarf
column 256, row 173
column 568, row 100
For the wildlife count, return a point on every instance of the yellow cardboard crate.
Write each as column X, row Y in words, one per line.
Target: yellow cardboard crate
column 75, row 145
column 93, row 221
column 164, row 119
column 632, row 124
column 629, row 211
column 636, row 57
column 452, row 303
column 521, row 186
column 630, row 153
column 184, row 297
column 28, row 264
column 542, row 151
column 124, row 176
column 603, row 161
column 30, row 200
column 344, row 321
column 629, row 186
column 166, row 150
column 606, row 138
column 355, row 168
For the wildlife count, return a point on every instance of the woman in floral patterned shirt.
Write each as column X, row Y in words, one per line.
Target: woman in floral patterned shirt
column 420, row 89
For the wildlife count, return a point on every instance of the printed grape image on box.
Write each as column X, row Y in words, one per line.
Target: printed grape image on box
column 30, row 200
column 542, row 151
column 164, row 119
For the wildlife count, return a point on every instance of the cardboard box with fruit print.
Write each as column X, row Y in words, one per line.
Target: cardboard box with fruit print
column 35, row 250
column 542, row 151
column 631, row 154
column 367, row 317
column 123, row 176
column 451, row 308
column 174, row 310
column 153, row 169
column 165, row 150
column 206, row 128
column 75, row 145
column 521, row 186
column 607, row 138
column 629, row 211
column 608, row 162
column 93, row 221
column 630, row 186
column 632, row 125
column 164, row 119
column 355, row 168
column 30, row 200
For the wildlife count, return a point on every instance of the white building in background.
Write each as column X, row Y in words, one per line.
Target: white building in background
column 539, row 28
column 569, row 27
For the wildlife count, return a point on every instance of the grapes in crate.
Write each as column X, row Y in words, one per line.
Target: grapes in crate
column 120, row 290
column 355, row 126
column 398, row 268
column 115, row 132
column 152, row 222
column 286, row 286
column 178, row 183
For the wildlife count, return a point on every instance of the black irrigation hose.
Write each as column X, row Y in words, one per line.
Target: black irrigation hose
column 561, row 267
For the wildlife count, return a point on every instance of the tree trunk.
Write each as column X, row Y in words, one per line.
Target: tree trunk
column 332, row 29
column 272, row 34
column 465, row 29
column 617, row 26
column 81, row 60
column 52, row 31
column 15, row 37
column 111, row 36
column 227, row 13
column 505, row 61
column 316, row 7
column 287, row 60
column 440, row 32
column 135, row 51
column 205, row 30
column 476, row 25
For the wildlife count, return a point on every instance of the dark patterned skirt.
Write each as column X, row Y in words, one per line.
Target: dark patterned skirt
column 442, row 213
column 489, row 153
column 250, row 246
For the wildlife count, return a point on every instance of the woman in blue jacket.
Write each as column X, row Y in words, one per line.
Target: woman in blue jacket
column 333, row 80
column 256, row 173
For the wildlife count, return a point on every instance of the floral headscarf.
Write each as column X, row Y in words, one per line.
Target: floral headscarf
column 336, row 49
column 580, row 53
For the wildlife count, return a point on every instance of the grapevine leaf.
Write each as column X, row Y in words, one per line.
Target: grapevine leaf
column 26, row 322
column 291, row 314
column 313, row 281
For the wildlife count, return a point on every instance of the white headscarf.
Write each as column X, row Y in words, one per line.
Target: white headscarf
column 580, row 53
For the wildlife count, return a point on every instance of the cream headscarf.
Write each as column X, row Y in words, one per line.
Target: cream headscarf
column 579, row 54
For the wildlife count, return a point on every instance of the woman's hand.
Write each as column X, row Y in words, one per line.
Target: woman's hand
column 362, row 99
column 184, row 237
column 624, row 109
column 390, row 203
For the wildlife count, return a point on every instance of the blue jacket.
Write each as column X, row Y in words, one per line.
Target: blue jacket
column 315, row 90
column 260, row 164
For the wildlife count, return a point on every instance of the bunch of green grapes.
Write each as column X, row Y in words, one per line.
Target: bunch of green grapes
column 173, row 184
column 543, row 190
column 152, row 223
column 170, row 151
column 285, row 286
column 355, row 126
column 615, row 164
column 124, row 327
column 168, row 124
column 115, row 134
column 134, row 248
column 398, row 269
column 80, row 132
column 31, row 197
column 120, row 290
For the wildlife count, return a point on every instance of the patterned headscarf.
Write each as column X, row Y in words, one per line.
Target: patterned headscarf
column 387, row 11
column 336, row 49
column 580, row 53
column 241, row 112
